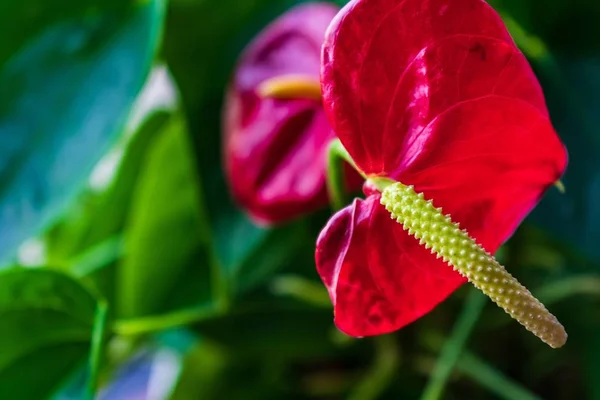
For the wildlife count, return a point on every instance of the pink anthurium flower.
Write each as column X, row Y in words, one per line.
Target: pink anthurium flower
column 275, row 129
column 433, row 94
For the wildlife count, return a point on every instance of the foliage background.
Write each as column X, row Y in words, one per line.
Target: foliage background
column 128, row 272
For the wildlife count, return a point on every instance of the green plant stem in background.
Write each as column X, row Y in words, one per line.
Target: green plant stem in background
column 97, row 257
column 336, row 188
column 97, row 349
column 156, row 323
column 560, row 290
column 480, row 371
column 383, row 370
column 302, row 289
column 454, row 345
column 490, row 378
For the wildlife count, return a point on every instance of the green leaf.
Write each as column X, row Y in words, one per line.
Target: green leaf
column 47, row 322
column 168, row 253
column 107, row 215
column 88, row 241
column 65, row 97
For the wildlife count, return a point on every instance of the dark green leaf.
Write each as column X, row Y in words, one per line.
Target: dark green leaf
column 88, row 241
column 47, row 321
column 106, row 217
column 65, row 96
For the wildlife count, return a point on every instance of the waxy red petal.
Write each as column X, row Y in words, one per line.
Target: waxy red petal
column 274, row 150
column 379, row 278
column 487, row 182
column 432, row 93
column 391, row 67
column 436, row 95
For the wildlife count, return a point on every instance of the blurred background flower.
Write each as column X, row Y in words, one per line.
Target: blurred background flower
column 275, row 144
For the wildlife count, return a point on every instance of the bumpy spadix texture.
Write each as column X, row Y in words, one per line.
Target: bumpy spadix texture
column 275, row 142
column 446, row 240
column 433, row 94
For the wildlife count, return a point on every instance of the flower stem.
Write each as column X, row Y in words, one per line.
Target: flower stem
column 454, row 346
column 446, row 240
column 301, row 289
column 156, row 323
column 97, row 347
column 490, row 378
column 384, row 367
column 336, row 188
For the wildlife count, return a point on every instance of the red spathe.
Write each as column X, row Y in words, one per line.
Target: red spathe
column 434, row 94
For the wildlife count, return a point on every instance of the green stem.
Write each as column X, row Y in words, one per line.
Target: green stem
column 382, row 372
column 97, row 257
column 454, row 345
column 156, row 323
column 492, row 379
column 336, row 188
column 557, row 291
column 97, row 347
column 301, row 289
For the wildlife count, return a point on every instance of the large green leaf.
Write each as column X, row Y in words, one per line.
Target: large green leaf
column 65, row 96
column 22, row 20
column 105, row 215
column 88, row 240
column 168, row 245
column 47, row 323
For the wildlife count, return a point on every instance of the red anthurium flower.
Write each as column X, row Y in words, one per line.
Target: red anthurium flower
column 275, row 140
column 433, row 94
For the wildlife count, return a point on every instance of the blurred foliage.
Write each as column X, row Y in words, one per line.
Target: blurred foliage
column 202, row 304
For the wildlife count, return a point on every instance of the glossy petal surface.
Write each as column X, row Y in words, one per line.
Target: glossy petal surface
column 274, row 149
column 378, row 277
column 434, row 94
column 392, row 67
